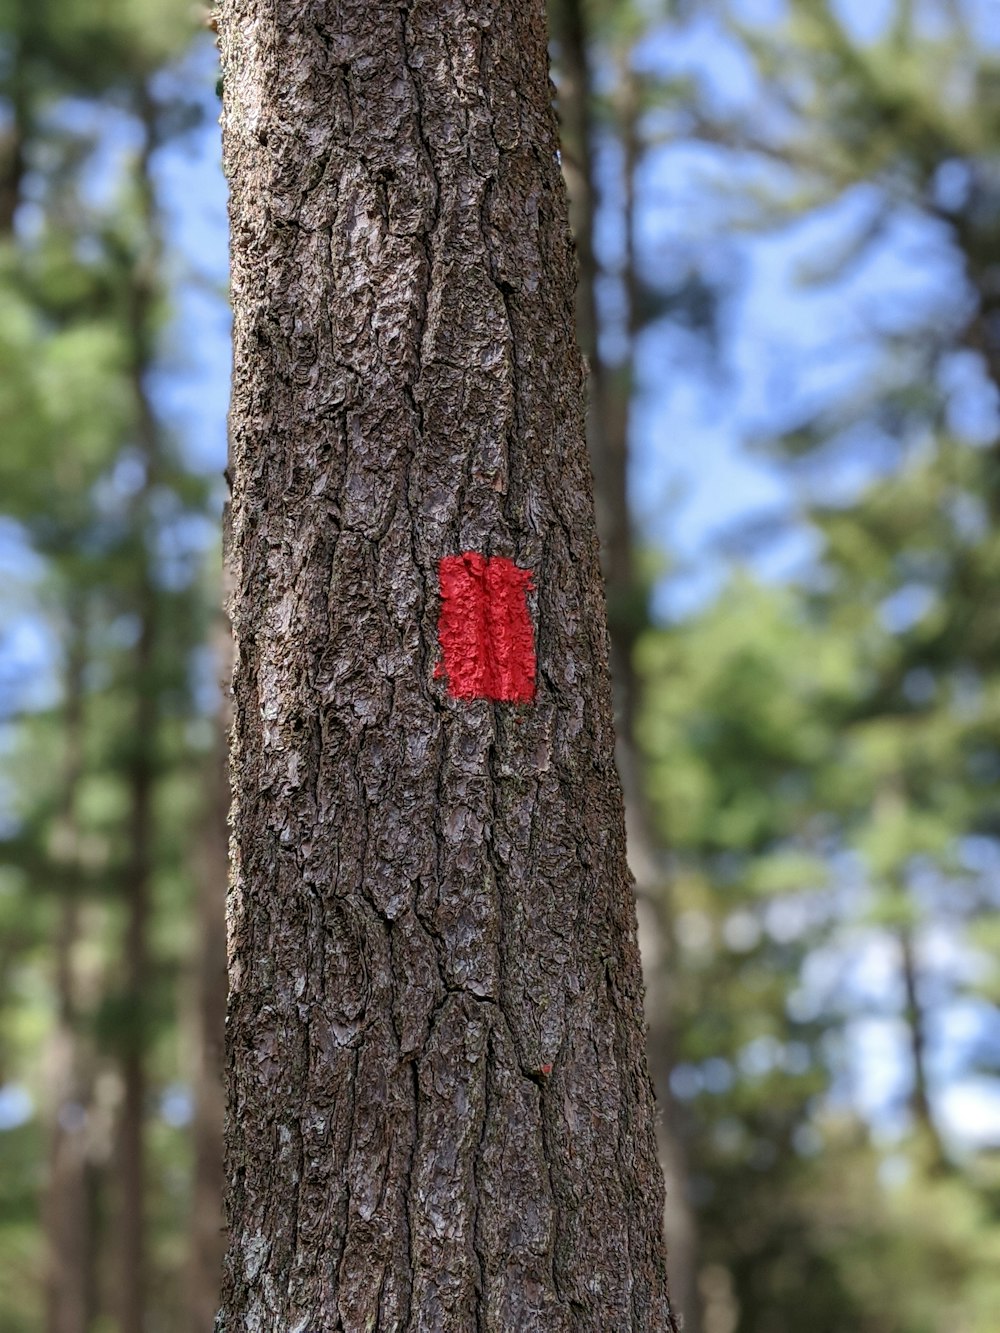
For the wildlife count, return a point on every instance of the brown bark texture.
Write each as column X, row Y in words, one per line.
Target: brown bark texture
column 439, row 1114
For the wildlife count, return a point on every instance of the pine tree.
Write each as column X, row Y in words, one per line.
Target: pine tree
column 439, row 1113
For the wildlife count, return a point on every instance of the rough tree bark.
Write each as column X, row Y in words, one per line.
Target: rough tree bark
column 439, row 1112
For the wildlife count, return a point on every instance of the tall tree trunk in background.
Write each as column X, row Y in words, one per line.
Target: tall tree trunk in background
column 439, row 1112
column 207, row 1233
column 890, row 802
column 630, row 616
column 576, row 101
column 132, row 1130
column 14, row 133
column 142, row 759
column 609, row 423
column 920, row 1103
column 66, row 1212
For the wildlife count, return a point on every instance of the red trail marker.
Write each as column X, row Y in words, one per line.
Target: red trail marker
column 485, row 630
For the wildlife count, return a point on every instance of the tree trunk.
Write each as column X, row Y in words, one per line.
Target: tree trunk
column 576, row 101
column 916, row 1026
column 67, row 1207
column 132, row 1131
column 142, row 758
column 608, row 429
column 17, row 118
column 439, row 1111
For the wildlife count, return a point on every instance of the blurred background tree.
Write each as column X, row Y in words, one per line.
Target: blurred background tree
column 108, row 747
column 823, row 756
column 788, row 222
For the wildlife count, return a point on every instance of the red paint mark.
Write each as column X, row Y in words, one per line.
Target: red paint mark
column 545, row 1070
column 485, row 629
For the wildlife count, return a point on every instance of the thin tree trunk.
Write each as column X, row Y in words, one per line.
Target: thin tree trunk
column 889, row 802
column 15, row 133
column 609, row 423
column 681, row 1219
column 207, row 1234
column 920, row 1103
column 579, row 165
column 439, row 1112
column 132, row 1133
column 142, row 763
column 66, row 1213
column 647, row 854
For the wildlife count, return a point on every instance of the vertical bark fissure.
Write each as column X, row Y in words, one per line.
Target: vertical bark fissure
column 408, row 1192
column 479, row 1244
column 403, row 333
column 351, row 1120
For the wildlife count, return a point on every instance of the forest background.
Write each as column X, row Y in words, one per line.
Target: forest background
column 788, row 221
